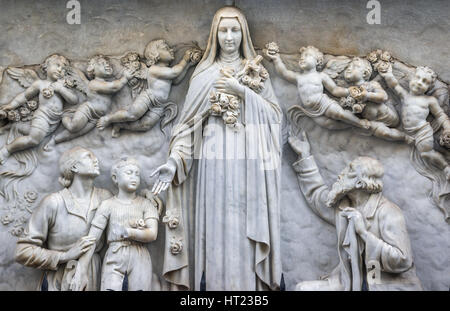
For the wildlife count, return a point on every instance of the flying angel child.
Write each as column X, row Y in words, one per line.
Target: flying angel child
column 52, row 91
column 149, row 106
column 310, row 85
column 99, row 93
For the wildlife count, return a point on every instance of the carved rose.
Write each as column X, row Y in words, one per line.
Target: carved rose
column 383, row 66
column 195, row 55
column 358, row 108
column 224, row 100
column 372, row 57
column 171, row 219
column 264, row 74
column 356, row 92
column 138, row 224
column 272, row 48
column 24, row 111
column 347, row 102
column 69, row 82
column 30, row 196
column 214, row 97
column 386, row 56
column 246, row 79
column 7, row 219
column 176, row 246
column 216, row 109
column 48, row 92
column 18, row 231
column 32, row 105
column 444, row 140
column 13, row 116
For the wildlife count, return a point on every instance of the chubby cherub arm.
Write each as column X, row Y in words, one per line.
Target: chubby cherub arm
column 392, row 83
column 281, row 69
column 22, row 98
column 146, row 235
column 170, row 73
column 68, row 94
column 378, row 95
column 108, row 87
column 440, row 115
column 331, row 86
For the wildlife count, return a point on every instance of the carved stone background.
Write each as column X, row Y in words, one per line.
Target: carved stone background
column 415, row 32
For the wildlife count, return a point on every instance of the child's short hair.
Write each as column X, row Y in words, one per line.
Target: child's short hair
column 123, row 162
column 151, row 51
column 429, row 72
column 54, row 57
column 318, row 54
column 91, row 65
column 366, row 65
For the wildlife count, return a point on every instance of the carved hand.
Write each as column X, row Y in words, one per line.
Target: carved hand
column 269, row 55
column 165, row 173
column 229, row 85
column 300, row 146
column 81, row 247
column 360, row 226
column 80, row 278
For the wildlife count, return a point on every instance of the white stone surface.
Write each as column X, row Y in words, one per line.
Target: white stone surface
column 33, row 30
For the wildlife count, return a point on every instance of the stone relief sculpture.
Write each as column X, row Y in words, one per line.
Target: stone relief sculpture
column 416, row 109
column 148, row 108
column 130, row 221
column 52, row 92
column 99, row 93
column 223, row 169
column 57, row 230
column 311, row 83
column 245, row 184
column 373, row 243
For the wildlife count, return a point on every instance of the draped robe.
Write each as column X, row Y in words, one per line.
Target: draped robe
column 226, row 187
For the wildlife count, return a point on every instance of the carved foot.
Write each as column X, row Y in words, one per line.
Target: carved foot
column 102, row 123
column 4, row 154
column 365, row 124
column 409, row 139
column 49, row 146
column 115, row 131
column 447, row 172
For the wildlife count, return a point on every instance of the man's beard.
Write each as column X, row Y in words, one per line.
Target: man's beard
column 338, row 191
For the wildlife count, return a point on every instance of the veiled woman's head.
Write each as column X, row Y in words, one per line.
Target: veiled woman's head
column 229, row 34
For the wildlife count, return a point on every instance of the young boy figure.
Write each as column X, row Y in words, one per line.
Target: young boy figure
column 383, row 118
column 416, row 106
column 130, row 222
column 310, row 84
column 52, row 94
column 99, row 93
column 148, row 108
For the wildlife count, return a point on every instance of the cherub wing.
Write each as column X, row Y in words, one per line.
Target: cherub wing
column 139, row 81
column 25, row 77
column 75, row 78
column 334, row 67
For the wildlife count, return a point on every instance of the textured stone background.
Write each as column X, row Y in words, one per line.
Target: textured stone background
column 414, row 31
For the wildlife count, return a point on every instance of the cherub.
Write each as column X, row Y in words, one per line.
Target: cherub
column 373, row 100
column 416, row 106
column 52, row 91
column 148, row 108
column 99, row 93
column 310, row 85
column 130, row 221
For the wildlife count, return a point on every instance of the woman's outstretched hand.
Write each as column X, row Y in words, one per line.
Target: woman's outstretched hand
column 165, row 173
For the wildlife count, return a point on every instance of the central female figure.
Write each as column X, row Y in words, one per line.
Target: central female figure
column 223, row 183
